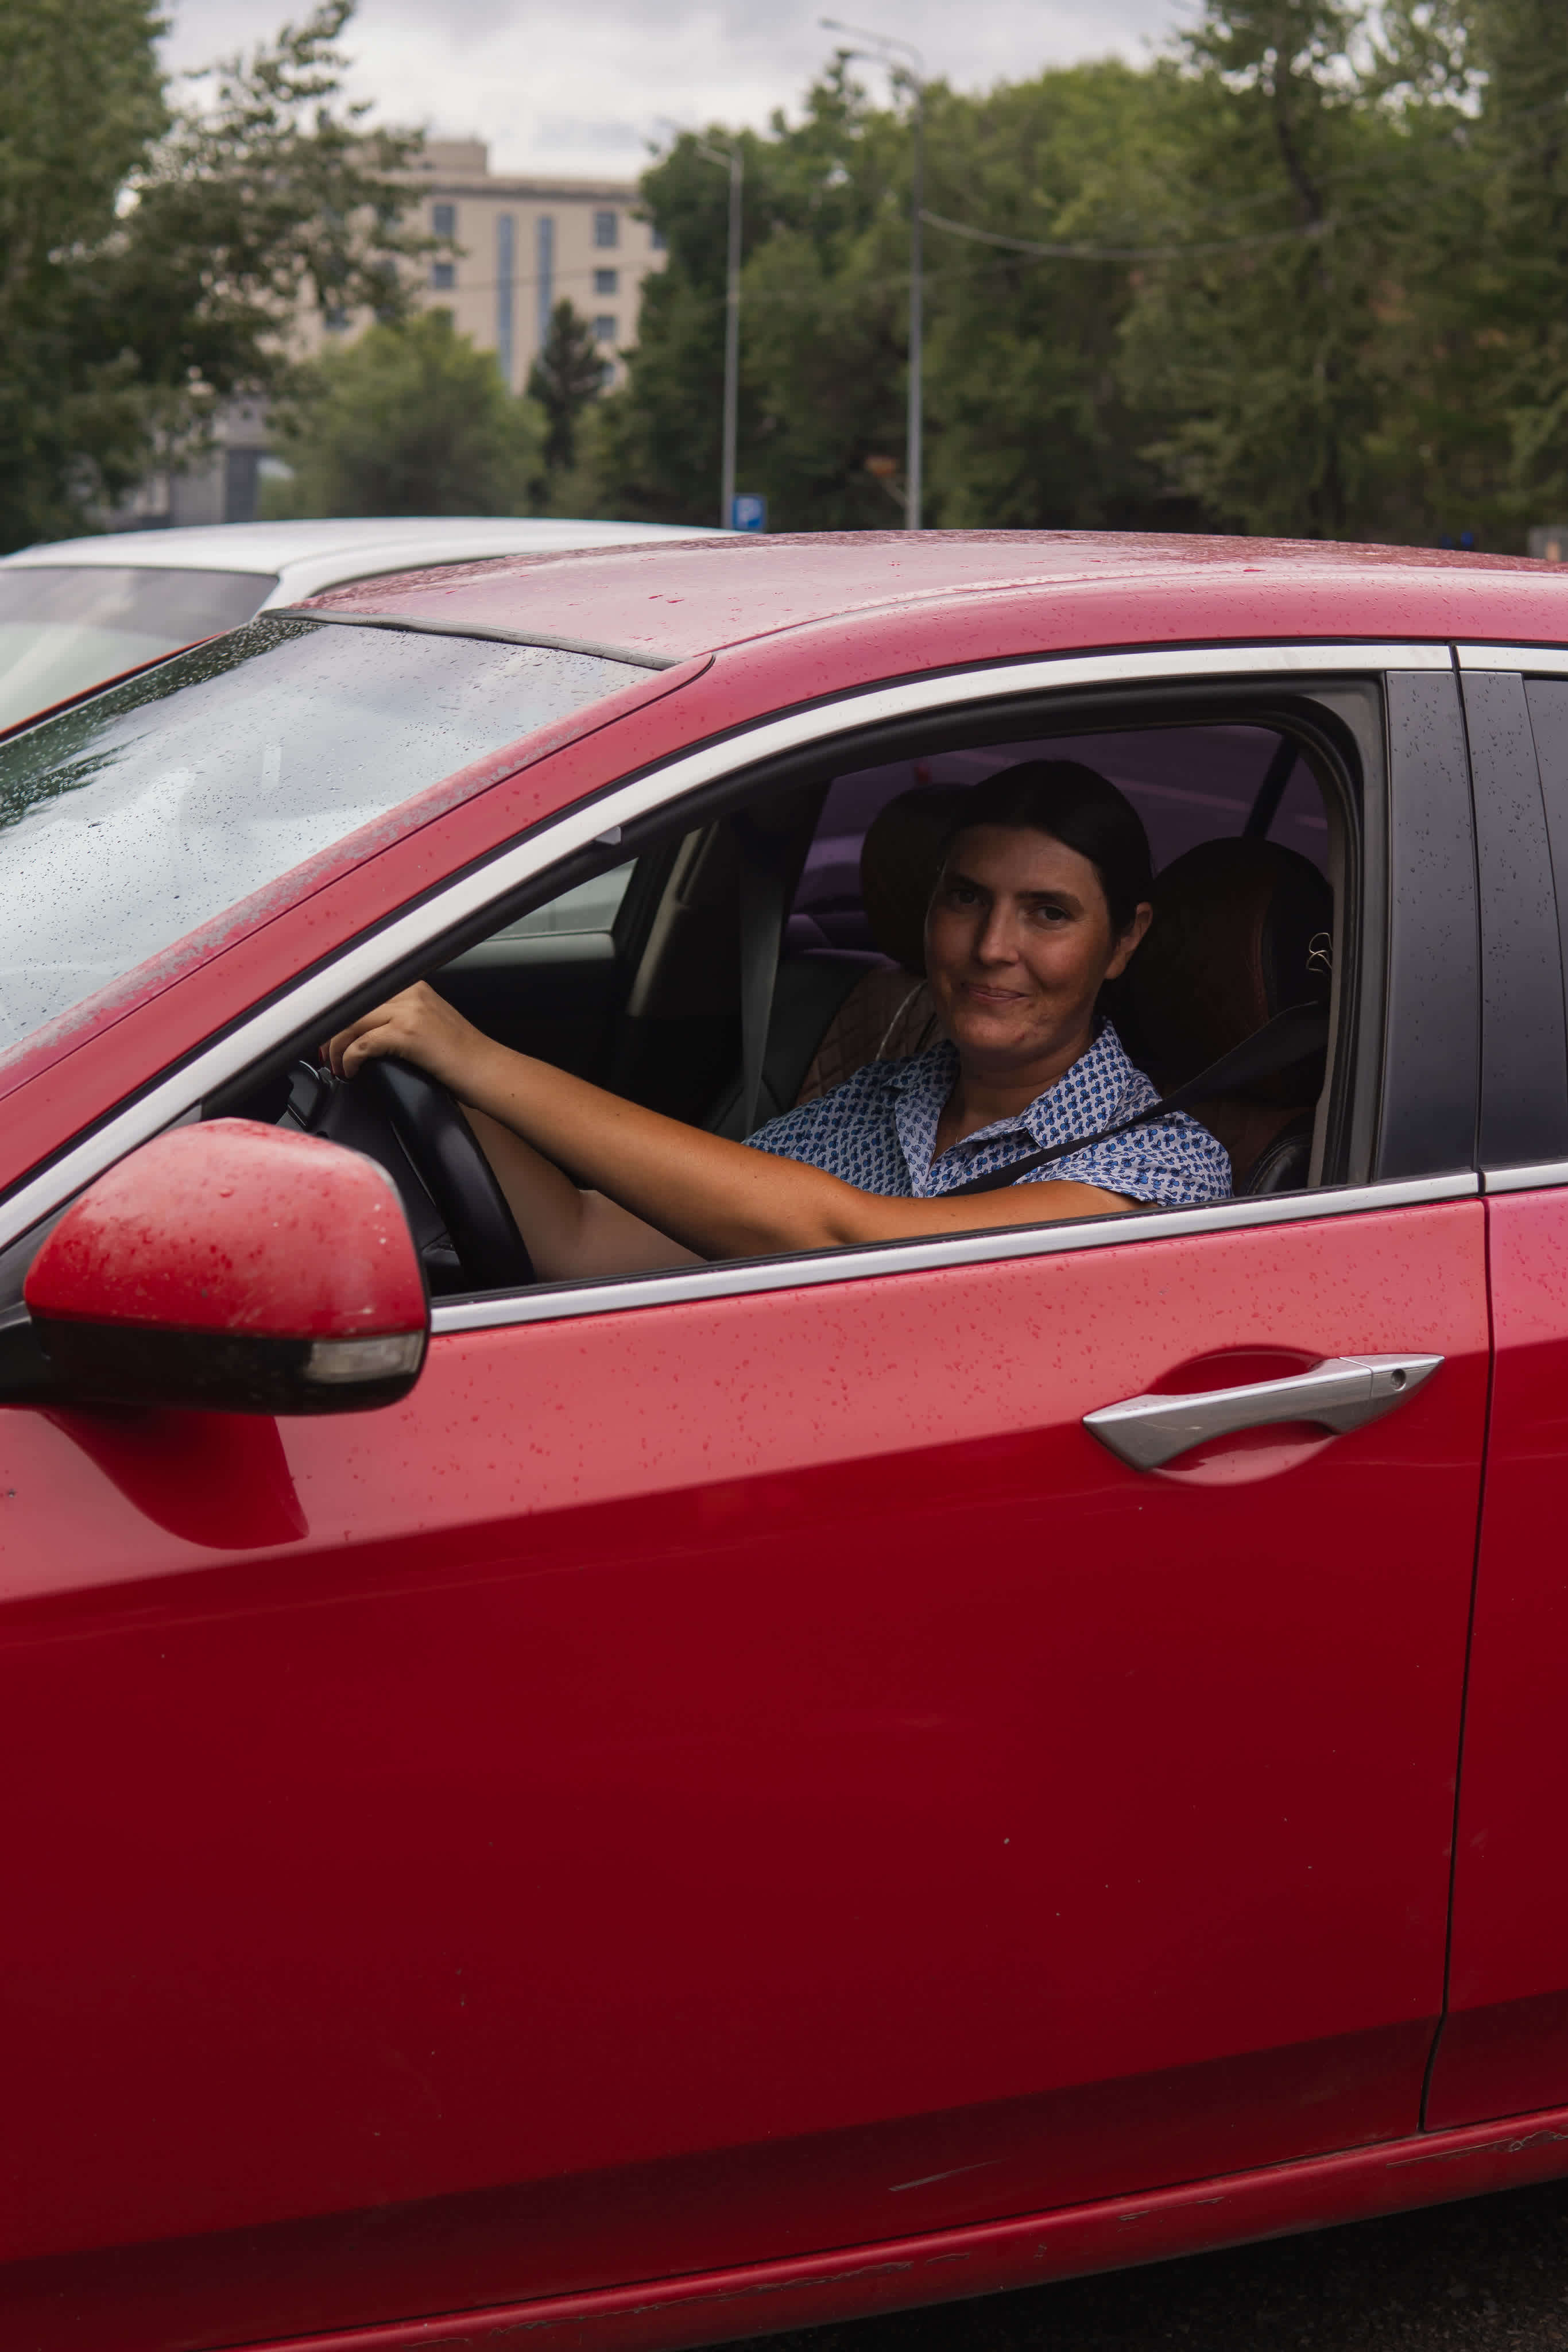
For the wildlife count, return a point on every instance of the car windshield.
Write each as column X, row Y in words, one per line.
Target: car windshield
column 65, row 626
column 133, row 818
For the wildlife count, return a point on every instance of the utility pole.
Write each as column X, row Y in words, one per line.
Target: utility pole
column 734, row 162
column 913, row 79
column 917, row 425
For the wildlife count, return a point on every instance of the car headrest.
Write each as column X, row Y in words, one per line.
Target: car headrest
column 900, row 860
column 1242, row 931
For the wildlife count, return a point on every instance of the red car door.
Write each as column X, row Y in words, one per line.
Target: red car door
column 760, row 1776
column 733, row 1765
column 1505, row 2048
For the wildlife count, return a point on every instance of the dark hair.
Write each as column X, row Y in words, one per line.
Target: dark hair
column 1077, row 806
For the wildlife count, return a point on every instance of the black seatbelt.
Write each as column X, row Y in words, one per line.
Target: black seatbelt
column 1271, row 791
column 1291, row 1036
column 761, row 933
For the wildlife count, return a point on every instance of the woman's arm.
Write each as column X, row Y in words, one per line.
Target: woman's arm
column 716, row 1198
column 571, row 1235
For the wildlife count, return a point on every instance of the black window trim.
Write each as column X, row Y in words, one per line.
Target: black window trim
column 1523, row 1051
column 1429, row 1097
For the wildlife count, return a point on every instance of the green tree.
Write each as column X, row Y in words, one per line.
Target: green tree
column 1033, row 419
column 410, row 419
column 1307, row 273
column 1512, row 263
column 1262, row 335
column 660, row 438
column 81, row 105
column 1027, row 419
column 1386, row 359
column 822, row 340
column 156, row 255
column 567, row 375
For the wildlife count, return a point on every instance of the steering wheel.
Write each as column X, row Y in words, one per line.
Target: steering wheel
column 428, row 1122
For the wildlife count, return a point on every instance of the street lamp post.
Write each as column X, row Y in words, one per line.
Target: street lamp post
column 733, row 161
column 914, row 81
column 917, row 425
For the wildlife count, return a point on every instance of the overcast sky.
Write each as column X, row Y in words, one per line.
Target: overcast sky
column 579, row 86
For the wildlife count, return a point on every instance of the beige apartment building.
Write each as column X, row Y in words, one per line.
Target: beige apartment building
column 524, row 245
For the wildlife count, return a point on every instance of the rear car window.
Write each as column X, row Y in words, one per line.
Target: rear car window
column 64, row 626
column 130, row 820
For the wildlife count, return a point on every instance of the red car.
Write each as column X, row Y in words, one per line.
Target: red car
column 789, row 1787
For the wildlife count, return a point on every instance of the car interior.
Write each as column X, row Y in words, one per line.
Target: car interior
column 753, row 951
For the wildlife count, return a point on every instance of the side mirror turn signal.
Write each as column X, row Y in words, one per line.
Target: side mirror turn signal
column 228, row 1267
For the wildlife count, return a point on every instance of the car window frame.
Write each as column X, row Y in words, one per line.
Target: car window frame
column 1426, row 1119
column 1509, row 1152
column 407, row 944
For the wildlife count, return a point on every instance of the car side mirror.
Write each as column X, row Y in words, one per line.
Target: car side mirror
column 228, row 1267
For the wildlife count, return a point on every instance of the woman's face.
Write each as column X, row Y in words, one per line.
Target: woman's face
column 1018, row 942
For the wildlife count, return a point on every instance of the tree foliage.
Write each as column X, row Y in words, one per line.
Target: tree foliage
column 567, row 373
column 823, row 338
column 1510, row 241
column 1306, row 272
column 409, row 419
column 156, row 253
column 81, row 105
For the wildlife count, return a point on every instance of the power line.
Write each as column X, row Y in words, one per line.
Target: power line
column 1303, row 233
column 1125, row 252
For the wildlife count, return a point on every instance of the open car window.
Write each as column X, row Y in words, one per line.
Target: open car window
column 634, row 977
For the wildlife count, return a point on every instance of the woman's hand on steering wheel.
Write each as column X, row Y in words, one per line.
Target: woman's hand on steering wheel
column 424, row 1053
column 417, row 1026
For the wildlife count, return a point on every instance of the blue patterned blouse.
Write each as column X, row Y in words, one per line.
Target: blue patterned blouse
column 878, row 1129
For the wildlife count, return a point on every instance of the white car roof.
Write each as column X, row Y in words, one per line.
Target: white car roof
column 309, row 556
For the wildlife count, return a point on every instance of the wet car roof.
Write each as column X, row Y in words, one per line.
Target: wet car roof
column 677, row 599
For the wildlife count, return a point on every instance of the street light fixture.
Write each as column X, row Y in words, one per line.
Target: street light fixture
column 914, row 81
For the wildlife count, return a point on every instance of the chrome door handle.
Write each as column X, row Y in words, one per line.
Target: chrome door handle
column 1340, row 1394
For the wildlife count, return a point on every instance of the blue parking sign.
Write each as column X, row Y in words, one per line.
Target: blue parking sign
column 748, row 511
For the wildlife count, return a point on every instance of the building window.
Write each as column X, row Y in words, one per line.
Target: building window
column 444, row 220
column 606, row 281
column 504, row 271
column 444, row 275
column 335, row 319
column 544, row 273
column 604, row 329
column 658, row 240
column 606, row 229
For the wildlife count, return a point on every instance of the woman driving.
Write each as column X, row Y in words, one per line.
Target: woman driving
column 1043, row 897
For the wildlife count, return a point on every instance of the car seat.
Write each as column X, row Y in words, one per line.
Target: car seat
column 835, row 1009
column 1242, row 931
column 887, row 1015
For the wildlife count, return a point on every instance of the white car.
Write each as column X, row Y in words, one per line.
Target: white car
column 76, row 612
